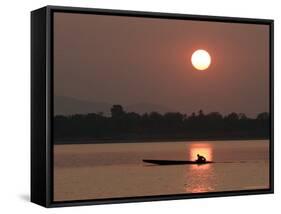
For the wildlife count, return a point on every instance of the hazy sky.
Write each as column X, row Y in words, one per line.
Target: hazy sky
column 129, row 60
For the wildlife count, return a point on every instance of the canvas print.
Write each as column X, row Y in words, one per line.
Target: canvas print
column 151, row 106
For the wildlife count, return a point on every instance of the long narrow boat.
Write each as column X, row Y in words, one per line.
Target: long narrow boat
column 174, row 162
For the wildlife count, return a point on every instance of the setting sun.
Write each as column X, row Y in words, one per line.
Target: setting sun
column 201, row 59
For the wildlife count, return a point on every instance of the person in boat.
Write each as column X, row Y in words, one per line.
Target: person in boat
column 200, row 159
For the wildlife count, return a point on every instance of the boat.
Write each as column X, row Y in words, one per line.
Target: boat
column 174, row 162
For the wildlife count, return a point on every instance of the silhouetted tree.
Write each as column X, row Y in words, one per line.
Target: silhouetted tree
column 117, row 111
column 200, row 113
column 214, row 116
column 232, row 117
column 263, row 116
column 150, row 125
column 242, row 116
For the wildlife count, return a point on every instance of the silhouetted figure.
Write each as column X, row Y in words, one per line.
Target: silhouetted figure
column 200, row 159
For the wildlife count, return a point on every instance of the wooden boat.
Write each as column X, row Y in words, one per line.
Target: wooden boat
column 174, row 162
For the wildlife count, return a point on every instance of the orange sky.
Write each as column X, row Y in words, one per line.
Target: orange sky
column 128, row 60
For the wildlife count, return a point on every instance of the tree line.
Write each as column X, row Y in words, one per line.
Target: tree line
column 122, row 125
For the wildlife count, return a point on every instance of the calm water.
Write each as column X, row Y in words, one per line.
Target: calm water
column 92, row 171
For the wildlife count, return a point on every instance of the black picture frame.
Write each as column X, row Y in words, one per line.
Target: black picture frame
column 42, row 104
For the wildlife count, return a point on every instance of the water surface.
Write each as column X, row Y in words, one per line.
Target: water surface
column 94, row 171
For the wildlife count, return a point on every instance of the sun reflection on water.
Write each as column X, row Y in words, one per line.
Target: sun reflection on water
column 201, row 149
column 198, row 177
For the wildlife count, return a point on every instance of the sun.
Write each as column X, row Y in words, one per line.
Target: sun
column 201, row 59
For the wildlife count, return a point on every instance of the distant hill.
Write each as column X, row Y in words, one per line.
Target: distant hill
column 147, row 107
column 68, row 106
